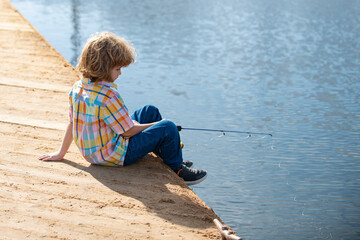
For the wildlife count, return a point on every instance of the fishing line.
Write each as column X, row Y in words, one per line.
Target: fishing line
column 222, row 131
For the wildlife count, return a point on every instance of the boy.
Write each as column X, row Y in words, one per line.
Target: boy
column 100, row 124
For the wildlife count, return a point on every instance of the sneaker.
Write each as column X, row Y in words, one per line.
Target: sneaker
column 187, row 163
column 192, row 176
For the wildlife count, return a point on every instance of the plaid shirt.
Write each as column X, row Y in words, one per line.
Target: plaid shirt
column 99, row 118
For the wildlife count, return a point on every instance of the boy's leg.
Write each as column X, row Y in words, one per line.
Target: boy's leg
column 147, row 114
column 163, row 138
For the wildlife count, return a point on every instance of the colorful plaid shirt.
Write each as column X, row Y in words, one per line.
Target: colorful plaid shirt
column 99, row 118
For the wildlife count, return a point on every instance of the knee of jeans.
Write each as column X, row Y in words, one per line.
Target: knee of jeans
column 170, row 126
column 151, row 108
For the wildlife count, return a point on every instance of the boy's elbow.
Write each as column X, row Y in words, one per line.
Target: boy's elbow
column 128, row 133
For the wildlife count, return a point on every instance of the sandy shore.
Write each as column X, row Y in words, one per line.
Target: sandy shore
column 72, row 199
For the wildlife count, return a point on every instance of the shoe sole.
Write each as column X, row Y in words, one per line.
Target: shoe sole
column 190, row 183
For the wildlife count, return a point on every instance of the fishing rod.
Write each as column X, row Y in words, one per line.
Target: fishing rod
column 223, row 131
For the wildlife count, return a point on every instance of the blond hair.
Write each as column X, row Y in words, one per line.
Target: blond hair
column 102, row 52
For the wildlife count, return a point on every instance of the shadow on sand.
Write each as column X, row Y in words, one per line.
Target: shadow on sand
column 154, row 184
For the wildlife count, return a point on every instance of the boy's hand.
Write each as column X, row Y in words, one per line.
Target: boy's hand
column 59, row 155
column 55, row 156
column 136, row 122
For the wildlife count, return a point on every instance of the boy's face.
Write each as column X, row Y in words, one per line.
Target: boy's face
column 115, row 73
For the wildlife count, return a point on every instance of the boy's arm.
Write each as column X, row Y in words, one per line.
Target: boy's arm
column 59, row 155
column 137, row 128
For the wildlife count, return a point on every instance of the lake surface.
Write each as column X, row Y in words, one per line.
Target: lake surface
column 290, row 68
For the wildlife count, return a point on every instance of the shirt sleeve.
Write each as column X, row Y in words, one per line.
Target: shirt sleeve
column 116, row 115
column 70, row 107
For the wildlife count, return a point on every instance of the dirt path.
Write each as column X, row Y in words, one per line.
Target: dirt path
column 72, row 199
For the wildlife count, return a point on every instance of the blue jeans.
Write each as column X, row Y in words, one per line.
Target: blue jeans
column 162, row 138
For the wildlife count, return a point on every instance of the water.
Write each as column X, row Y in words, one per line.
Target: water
column 290, row 68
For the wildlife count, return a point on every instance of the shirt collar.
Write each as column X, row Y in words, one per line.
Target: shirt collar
column 105, row 83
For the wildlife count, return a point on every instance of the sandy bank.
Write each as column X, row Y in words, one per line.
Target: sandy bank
column 72, row 199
